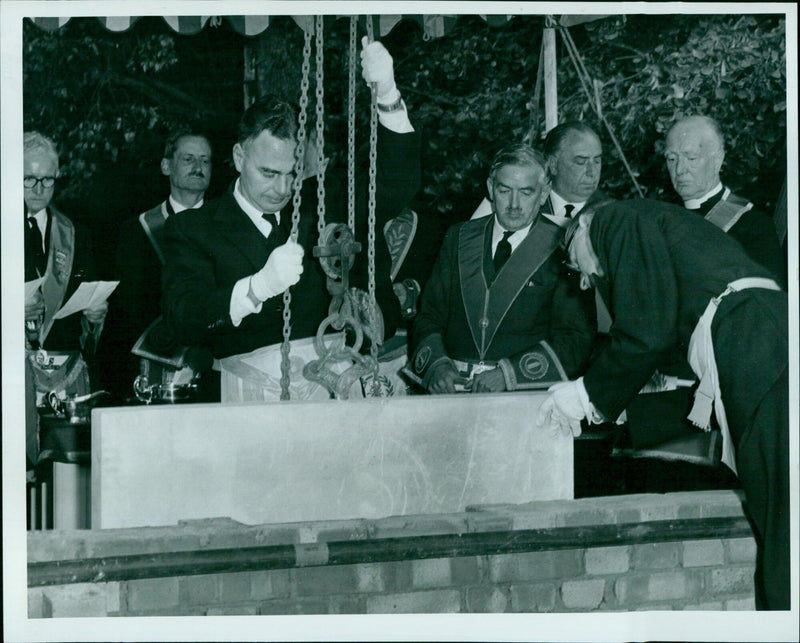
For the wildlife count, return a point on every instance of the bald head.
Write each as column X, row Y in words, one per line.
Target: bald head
column 694, row 153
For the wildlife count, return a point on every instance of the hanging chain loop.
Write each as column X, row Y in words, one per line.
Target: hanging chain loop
column 320, row 129
column 299, row 154
column 373, row 157
column 351, row 128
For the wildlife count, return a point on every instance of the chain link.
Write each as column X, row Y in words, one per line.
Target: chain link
column 373, row 156
column 320, row 129
column 351, row 129
column 297, row 186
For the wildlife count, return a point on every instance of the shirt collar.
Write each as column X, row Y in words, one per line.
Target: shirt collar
column 694, row 204
column 559, row 202
column 514, row 239
column 41, row 218
column 179, row 207
column 249, row 209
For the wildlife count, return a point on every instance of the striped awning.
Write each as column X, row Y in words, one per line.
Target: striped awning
column 433, row 26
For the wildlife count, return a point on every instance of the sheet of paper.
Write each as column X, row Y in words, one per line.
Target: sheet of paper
column 32, row 286
column 89, row 294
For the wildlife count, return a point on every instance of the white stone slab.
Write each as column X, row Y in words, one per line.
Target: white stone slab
column 296, row 461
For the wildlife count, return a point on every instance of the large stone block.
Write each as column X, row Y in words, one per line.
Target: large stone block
column 301, row 461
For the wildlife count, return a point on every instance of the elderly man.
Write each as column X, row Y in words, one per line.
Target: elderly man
column 59, row 253
column 228, row 264
column 695, row 150
column 498, row 313
column 574, row 162
column 136, row 303
column 675, row 281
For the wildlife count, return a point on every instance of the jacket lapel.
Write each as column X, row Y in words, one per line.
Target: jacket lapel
column 59, row 268
column 237, row 228
column 528, row 257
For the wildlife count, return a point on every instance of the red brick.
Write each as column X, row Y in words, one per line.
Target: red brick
column 199, row 590
column 347, row 605
column 429, row 602
column 272, row 583
column 152, row 594
column 299, row 606
column 336, row 579
column 674, row 586
column 655, row 556
column 465, row 570
column 607, row 560
column 703, row 553
column 78, row 599
column 732, row 580
column 39, row 605
column 741, row 604
column 535, row 566
column 234, row 587
column 233, row 610
column 631, row 589
column 533, row 598
column 588, row 517
column 369, row 577
column 741, row 550
column 704, row 607
column 397, row 576
column 487, row 600
column 583, row 594
column 434, row 572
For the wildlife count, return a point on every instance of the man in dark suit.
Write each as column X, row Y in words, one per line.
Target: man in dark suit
column 136, row 302
column 676, row 282
column 695, row 150
column 228, row 264
column 60, row 252
column 498, row 313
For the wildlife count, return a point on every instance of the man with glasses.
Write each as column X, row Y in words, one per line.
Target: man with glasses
column 694, row 152
column 58, row 253
column 499, row 313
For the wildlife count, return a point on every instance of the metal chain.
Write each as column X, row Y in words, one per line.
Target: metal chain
column 299, row 153
column 320, row 129
column 351, row 129
column 373, row 157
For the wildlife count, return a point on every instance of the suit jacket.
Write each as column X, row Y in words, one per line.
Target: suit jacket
column 755, row 230
column 69, row 263
column 529, row 301
column 133, row 305
column 208, row 251
column 599, row 195
column 662, row 265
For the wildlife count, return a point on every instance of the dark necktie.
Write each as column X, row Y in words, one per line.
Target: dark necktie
column 503, row 251
column 277, row 232
column 33, row 245
column 568, row 210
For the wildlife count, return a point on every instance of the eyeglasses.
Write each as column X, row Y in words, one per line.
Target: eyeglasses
column 46, row 181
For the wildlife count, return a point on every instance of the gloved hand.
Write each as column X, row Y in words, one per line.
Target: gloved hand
column 489, row 381
column 97, row 314
column 282, row 270
column 566, row 406
column 377, row 67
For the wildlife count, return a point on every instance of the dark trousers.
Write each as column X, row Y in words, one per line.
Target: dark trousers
column 751, row 346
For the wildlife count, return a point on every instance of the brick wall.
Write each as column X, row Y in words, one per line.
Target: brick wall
column 696, row 574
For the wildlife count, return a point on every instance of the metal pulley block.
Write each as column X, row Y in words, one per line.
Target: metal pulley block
column 337, row 251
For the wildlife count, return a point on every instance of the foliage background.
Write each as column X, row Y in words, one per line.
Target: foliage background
column 110, row 99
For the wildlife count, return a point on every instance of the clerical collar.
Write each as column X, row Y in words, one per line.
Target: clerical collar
column 694, row 204
column 179, row 207
column 558, row 202
column 249, row 209
column 514, row 239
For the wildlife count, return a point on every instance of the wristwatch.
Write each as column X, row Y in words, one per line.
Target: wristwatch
column 391, row 107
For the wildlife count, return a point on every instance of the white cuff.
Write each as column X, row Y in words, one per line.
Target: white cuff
column 588, row 408
column 241, row 306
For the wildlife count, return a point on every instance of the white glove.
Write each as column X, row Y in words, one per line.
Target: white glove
column 567, row 405
column 377, row 67
column 283, row 269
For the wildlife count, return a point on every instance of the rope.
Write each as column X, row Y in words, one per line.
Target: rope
column 594, row 100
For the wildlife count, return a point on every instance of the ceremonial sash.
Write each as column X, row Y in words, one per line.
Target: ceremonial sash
column 728, row 210
column 153, row 222
column 59, row 268
column 701, row 359
column 486, row 306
